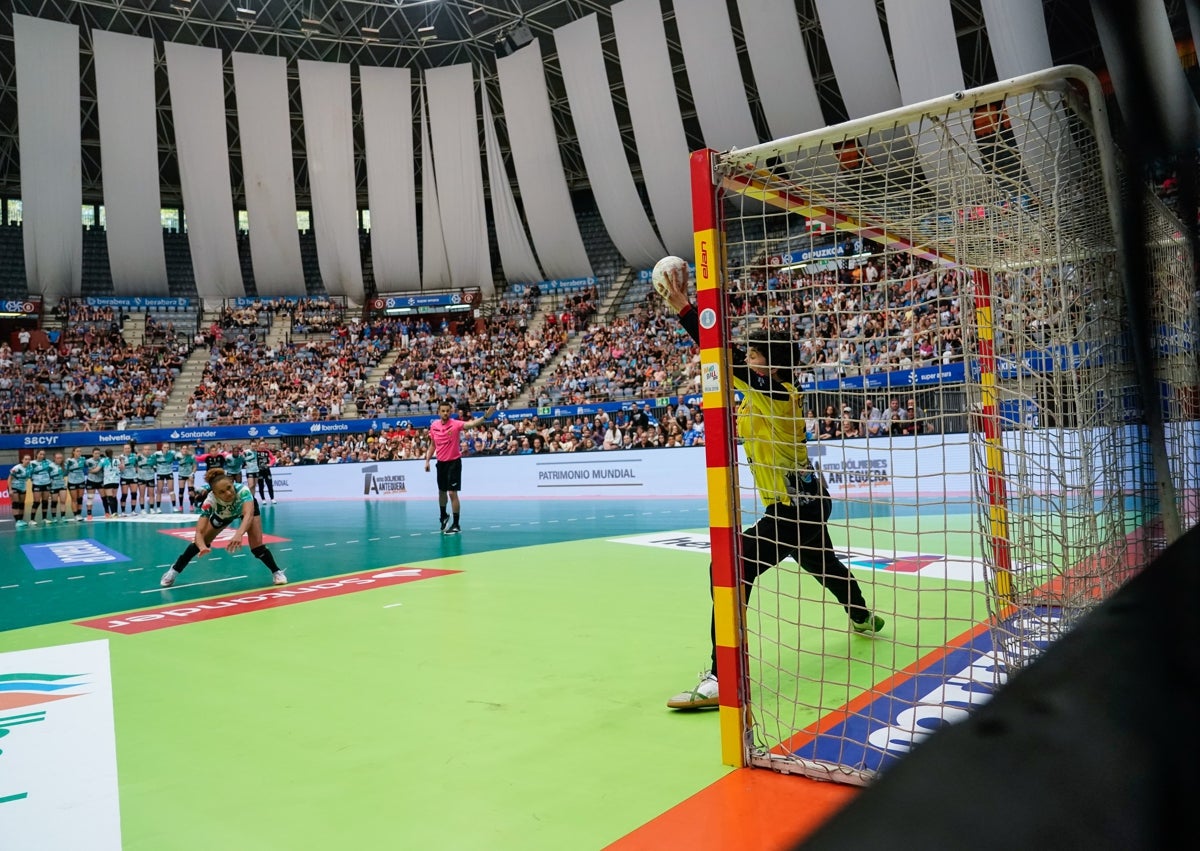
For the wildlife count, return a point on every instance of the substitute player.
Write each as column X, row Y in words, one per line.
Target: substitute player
column 187, row 476
column 18, row 483
column 58, row 489
column 234, row 461
column 164, row 474
column 444, row 434
column 144, row 464
column 93, row 482
column 250, row 467
column 129, row 481
column 76, row 471
column 227, row 503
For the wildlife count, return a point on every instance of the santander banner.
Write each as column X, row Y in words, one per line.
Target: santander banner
column 222, row 607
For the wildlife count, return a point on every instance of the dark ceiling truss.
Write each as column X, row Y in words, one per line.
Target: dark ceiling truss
column 391, row 33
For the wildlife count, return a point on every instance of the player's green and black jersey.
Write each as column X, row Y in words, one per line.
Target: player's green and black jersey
column 112, row 472
column 233, row 464
column 145, row 468
column 250, row 459
column 95, row 470
column 187, row 466
column 129, row 470
column 770, row 423
column 39, row 473
column 18, row 477
column 58, row 477
column 222, row 513
column 75, row 472
column 164, row 462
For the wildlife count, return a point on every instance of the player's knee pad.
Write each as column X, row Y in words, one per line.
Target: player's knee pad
column 259, row 551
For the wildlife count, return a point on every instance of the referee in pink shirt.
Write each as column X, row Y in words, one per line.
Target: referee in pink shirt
column 444, row 436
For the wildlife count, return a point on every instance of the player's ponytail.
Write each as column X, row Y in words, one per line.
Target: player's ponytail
column 215, row 475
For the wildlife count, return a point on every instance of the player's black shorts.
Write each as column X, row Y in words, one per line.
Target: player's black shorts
column 166, row 477
column 57, row 488
column 41, row 488
column 449, row 475
column 93, row 486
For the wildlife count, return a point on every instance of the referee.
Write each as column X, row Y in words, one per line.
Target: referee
column 444, row 441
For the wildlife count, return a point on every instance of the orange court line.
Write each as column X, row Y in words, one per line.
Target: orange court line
column 750, row 809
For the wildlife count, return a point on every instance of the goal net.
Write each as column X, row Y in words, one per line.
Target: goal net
column 948, row 278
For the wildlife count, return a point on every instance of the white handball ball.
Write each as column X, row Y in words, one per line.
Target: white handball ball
column 670, row 275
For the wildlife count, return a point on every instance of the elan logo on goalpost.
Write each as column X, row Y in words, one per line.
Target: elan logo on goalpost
column 237, row 604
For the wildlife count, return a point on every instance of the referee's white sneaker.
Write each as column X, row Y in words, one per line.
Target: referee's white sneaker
column 168, row 578
column 704, row 695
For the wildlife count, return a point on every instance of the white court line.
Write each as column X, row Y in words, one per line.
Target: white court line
column 42, row 581
column 332, row 544
column 6, row 587
column 106, row 573
column 352, row 541
column 69, row 578
column 192, row 584
column 393, row 605
column 372, row 539
column 308, row 546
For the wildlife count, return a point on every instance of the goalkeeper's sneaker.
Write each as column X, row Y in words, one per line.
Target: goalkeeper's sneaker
column 702, row 696
column 872, row 625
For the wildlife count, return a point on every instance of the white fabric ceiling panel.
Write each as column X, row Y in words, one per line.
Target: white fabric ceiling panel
column 454, row 132
column 125, row 100
column 329, row 146
column 543, row 185
column 714, row 75
column 46, row 54
column 924, row 49
column 780, row 62
column 516, row 255
column 657, row 123
column 859, row 56
column 435, row 265
column 265, row 132
column 391, row 181
column 1016, row 31
column 586, row 82
column 197, row 85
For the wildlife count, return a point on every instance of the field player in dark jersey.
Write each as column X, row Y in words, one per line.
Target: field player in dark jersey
column 770, row 423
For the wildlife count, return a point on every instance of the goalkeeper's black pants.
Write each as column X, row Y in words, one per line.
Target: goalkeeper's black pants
column 798, row 531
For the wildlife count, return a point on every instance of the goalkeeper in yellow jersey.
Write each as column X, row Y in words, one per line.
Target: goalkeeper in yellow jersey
column 770, row 423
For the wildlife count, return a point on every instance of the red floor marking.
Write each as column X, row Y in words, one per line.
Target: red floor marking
column 750, row 809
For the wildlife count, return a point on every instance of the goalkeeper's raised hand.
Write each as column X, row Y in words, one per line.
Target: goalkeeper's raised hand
column 670, row 279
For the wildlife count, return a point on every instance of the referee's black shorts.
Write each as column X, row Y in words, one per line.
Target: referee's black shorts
column 449, row 475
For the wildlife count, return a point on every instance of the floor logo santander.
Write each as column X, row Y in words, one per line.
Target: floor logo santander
column 222, row 607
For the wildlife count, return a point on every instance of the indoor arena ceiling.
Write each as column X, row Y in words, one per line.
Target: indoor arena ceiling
column 429, row 33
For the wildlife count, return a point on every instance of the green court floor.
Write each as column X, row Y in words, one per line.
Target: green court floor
column 514, row 703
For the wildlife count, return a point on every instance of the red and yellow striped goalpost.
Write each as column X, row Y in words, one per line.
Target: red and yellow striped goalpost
column 720, row 455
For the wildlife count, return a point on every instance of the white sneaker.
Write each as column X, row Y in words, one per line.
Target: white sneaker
column 702, row 696
column 278, row 578
column 168, row 578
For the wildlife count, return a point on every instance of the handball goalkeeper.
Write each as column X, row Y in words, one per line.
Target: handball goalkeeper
column 770, row 423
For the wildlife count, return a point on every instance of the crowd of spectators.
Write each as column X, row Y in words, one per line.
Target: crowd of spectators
column 87, row 377
column 890, row 312
column 636, row 428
